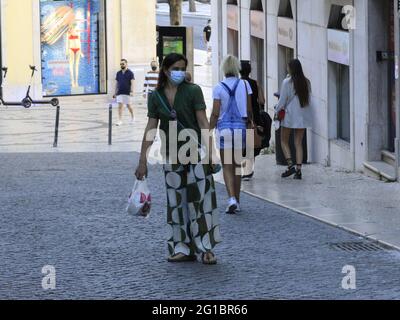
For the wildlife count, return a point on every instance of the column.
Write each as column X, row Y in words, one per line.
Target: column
column 397, row 76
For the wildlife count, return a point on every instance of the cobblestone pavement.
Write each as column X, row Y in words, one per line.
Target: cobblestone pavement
column 67, row 210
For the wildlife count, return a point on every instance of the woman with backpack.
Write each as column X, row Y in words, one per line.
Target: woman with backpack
column 192, row 212
column 295, row 101
column 230, row 116
column 257, row 104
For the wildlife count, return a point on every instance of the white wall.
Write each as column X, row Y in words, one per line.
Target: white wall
column 312, row 46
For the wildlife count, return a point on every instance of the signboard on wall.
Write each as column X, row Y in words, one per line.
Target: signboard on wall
column 339, row 46
column 233, row 17
column 70, row 40
column 286, row 32
column 257, row 24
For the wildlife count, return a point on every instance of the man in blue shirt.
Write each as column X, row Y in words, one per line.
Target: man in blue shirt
column 124, row 90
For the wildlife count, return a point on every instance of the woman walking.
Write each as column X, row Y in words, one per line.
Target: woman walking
column 192, row 206
column 257, row 104
column 295, row 100
column 230, row 115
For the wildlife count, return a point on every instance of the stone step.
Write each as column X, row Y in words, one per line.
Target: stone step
column 389, row 157
column 380, row 170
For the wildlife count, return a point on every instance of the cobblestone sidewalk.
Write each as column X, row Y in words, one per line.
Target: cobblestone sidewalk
column 67, row 210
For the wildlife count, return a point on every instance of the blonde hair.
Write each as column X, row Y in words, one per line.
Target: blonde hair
column 230, row 66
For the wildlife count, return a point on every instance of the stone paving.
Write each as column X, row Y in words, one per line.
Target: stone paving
column 67, row 210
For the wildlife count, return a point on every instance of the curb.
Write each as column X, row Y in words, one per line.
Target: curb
column 332, row 224
column 186, row 15
column 369, row 237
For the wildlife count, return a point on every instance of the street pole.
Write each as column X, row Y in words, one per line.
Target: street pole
column 397, row 77
column 1, row 46
column 55, row 144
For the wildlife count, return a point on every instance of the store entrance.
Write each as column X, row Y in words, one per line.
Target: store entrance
column 285, row 55
column 391, row 86
column 257, row 58
column 233, row 42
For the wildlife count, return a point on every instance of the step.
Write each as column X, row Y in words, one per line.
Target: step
column 389, row 157
column 380, row 170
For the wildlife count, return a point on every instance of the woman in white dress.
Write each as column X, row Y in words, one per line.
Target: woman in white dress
column 295, row 99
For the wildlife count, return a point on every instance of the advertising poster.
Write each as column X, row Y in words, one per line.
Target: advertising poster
column 70, row 47
column 172, row 45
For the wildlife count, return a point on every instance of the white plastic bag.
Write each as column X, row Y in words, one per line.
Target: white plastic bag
column 139, row 202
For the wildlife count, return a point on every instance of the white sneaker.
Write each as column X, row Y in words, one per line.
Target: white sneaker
column 232, row 206
column 238, row 209
column 119, row 123
column 132, row 120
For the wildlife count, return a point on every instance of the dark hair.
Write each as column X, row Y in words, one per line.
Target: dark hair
column 124, row 60
column 168, row 61
column 302, row 85
column 245, row 69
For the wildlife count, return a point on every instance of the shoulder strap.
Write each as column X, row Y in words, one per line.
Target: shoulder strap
column 169, row 110
column 230, row 91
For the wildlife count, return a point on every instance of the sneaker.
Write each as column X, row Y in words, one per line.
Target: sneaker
column 232, row 206
column 291, row 171
column 298, row 175
column 248, row 177
column 238, row 209
column 132, row 120
column 119, row 123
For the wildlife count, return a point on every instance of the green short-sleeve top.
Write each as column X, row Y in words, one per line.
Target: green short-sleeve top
column 189, row 99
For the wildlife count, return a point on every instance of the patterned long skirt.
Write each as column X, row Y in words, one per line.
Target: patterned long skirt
column 193, row 217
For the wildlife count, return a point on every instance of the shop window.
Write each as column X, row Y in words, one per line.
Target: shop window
column 285, row 9
column 256, row 5
column 234, row 2
column 73, row 47
column 343, row 99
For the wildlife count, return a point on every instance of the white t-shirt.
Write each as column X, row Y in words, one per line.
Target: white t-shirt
column 221, row 94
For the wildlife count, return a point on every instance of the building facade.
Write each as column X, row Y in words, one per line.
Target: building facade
column 76, row 45
column 349, row 51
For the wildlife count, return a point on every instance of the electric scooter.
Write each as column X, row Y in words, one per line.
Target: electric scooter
column 28, row 101
column 7, row 103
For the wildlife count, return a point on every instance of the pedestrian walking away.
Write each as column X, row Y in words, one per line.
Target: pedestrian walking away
column 231, row 112
column 151, row 80
column 124, row 89
column 295, row 101
column 207, row 40
column 257, row 104
column 192, row 212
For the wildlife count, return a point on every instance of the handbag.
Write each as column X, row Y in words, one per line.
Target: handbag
column 280, row 116
column 258, row 138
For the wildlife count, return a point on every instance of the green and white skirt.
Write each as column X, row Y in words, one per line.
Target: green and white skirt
column 193, row 216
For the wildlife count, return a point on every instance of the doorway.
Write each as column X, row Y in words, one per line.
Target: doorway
column 391, row 85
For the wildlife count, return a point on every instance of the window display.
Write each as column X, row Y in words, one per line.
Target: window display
column 73, row 47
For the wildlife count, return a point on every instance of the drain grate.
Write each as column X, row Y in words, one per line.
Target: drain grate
column 358, row 246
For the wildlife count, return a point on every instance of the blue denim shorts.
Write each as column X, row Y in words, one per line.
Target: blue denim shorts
column 231, row 139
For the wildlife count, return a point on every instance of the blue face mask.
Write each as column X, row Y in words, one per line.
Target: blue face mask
column 177, row 77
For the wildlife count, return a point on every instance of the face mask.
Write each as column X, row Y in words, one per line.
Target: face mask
column 177, row 77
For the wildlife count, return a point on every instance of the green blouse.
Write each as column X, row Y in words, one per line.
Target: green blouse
column 188, row 99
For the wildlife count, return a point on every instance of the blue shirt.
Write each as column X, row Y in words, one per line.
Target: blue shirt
column 124, row 81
